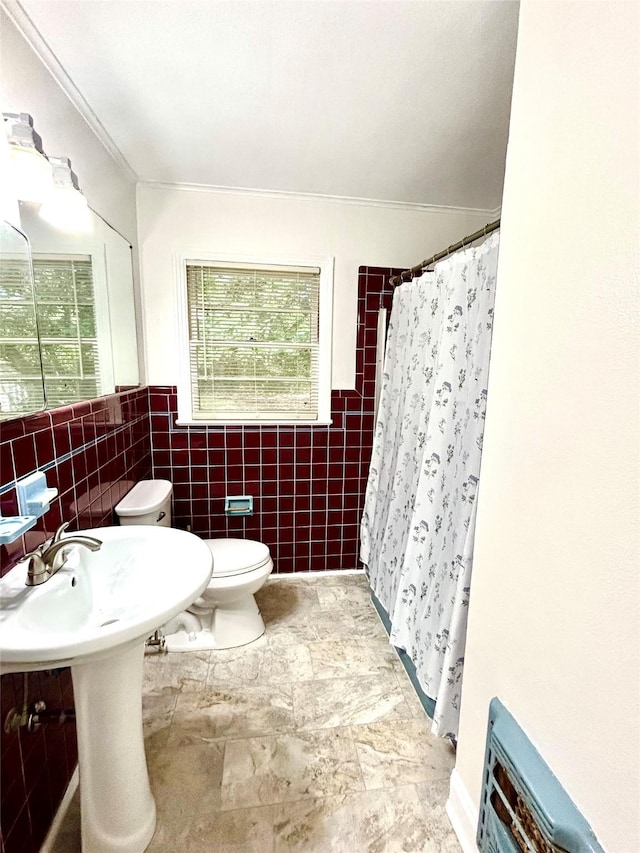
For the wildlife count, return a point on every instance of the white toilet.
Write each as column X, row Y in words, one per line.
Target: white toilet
column 226, row 614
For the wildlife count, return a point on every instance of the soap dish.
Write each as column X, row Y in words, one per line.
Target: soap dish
column 11, row 528
column 33, row 495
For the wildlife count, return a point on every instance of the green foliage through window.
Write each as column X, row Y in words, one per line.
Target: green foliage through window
column 52, row 324
column 253, row 342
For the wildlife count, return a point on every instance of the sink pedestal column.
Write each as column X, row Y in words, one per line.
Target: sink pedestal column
column 117, row 809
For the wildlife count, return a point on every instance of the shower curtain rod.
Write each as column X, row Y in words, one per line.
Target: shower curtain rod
column 407, row 275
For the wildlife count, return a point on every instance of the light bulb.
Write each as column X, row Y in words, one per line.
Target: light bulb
column 30, row 173
column 67, row 209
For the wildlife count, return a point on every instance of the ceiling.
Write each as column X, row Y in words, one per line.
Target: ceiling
column 394, row 101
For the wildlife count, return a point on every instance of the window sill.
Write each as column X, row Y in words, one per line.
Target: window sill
column 253, row 423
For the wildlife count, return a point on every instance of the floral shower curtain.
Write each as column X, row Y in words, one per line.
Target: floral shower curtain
column 419, row 516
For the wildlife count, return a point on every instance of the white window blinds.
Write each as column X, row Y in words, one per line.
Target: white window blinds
column 253, row 342
column 48, row 339
column 66, row 311
column 21, row 385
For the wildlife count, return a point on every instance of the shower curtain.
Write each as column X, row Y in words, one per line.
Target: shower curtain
column 419, row 515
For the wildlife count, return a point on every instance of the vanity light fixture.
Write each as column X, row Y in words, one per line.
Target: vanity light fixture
column 65, row 207
column 29, row 167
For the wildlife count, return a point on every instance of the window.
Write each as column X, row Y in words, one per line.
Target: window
column 67, row 326
column 21, row 386
column 258, row 343
column 57, row 318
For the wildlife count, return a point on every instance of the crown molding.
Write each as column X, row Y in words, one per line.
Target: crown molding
column 45, row 54
column 37, row 43
column 338, row 199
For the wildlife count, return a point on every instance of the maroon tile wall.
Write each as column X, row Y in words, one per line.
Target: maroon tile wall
column 92, row 453
column 307, row 482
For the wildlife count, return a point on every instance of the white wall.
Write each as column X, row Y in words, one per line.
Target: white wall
column 174, row 221
column 554, row 615
column 27, row 86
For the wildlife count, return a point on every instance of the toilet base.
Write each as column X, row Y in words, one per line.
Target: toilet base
column 180, row 641
column 236, row 624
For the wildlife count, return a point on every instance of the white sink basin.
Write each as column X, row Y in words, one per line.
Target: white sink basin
column 99, row 601
column 94, row 615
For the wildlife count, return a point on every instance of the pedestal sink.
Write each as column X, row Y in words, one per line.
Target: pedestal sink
column 94, row 615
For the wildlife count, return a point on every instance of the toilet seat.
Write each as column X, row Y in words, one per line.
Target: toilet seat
column 237, row 556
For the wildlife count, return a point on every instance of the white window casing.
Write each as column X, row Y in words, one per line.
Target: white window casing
column 255, row 339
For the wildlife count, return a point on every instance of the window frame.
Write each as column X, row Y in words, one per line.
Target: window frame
column 325, row 322
column 95, row 253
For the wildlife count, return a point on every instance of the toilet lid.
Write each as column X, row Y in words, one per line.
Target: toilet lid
column 235, row 556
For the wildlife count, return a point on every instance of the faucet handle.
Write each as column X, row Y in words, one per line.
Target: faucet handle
column 37, row 571
column 57, row 536
column 29, row 554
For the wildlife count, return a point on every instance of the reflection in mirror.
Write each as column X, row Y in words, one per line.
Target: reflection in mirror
column 84, row 303
column 21, row 380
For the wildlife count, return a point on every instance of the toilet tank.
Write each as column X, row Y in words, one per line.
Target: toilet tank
column 148, row 502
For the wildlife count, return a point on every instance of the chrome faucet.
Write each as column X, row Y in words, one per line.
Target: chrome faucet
column 43, row 563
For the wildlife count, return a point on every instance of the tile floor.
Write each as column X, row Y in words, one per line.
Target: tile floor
column 311, row 739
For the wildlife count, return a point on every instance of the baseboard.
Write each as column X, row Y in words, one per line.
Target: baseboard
column 54, row 829
column 462, row 814
column 329, row 572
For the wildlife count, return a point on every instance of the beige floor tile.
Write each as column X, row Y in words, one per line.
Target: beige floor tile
column 246, row 830
column 326, row 703
column 186, row 779
column 368, row 623
column 342, row 579
column 413, row 701
column 261, row 664
column 184, row 671
column 155, row 742
column 280, row 598
column 169, row 836
column 157, row 714
column 370, row 822
column 336, row 624
column 398, row 667
column 280, row 768
column 287, row 607
column 343, row 597
column 292, row 632
column 433, row 797
column 352, row 657
column 332, row 626
column 231, row 710
column 393, row 753
column 315, row 578
column 409, row 691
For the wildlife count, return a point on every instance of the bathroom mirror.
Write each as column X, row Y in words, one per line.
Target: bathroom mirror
column 21, row 383
column 83, row 302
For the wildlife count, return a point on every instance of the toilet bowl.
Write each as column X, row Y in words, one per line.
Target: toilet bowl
column 227, row 609
column 226, row 614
